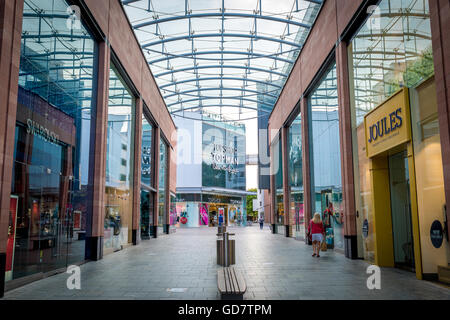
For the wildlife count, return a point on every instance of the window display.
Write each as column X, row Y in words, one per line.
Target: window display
column 53, row 139
column 325, row 156
column 119, row 163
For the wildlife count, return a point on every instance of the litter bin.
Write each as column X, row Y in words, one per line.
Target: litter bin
column 226, row 253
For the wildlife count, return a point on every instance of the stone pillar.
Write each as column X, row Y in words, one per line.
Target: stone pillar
column 136, row 214
column 440, row 24
column 95, row 222
column 345, row 137
column 11, row 13
column 286, row 190
column 307, row 196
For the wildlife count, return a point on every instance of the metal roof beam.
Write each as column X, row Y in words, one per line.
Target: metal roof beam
column 221, row 14
column 227, row 35
column 218, row 67
column 228, row 98
column 251, row 54
column 218, row 88
column 218, row 78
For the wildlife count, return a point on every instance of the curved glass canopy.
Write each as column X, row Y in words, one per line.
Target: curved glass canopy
column 225, row 59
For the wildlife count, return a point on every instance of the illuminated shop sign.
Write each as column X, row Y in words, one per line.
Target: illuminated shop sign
column 224, row 158
column 388, row 125
column 33, row 127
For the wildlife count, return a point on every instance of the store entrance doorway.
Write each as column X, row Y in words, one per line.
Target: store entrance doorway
column 401, row 211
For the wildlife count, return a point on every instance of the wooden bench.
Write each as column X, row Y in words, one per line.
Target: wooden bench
column 231, row 284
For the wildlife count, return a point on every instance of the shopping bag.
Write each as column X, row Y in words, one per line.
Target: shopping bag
column 324, row 246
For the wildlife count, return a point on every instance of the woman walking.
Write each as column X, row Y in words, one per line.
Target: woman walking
column 316, row 231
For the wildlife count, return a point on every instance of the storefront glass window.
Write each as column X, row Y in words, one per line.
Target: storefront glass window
column 277, row 166
column 147, row 196
column 51, row 187
column 389, row 52
column 146, row 166
column 119, row 163
column 162, row 184
column 326, row 159
column 296, row 177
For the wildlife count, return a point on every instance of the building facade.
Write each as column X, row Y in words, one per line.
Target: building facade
column 211, row 170
column 361, row 134
column 87, row 144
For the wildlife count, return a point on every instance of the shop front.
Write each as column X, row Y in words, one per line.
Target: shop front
column 399, row 182
column 197, row 210
column 51, row 181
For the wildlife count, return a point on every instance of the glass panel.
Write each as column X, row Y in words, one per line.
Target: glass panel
column 326, row 159
column 52, row 160
column 147, row 208
column 278, row 167
column 296, row 177
column 146, row 166
column 119, row 163
column 162, row 184
column 390, row 51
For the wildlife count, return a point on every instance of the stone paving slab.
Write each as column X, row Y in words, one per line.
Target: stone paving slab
column 275, row 267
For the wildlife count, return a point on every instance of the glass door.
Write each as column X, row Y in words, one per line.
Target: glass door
column 401, row 211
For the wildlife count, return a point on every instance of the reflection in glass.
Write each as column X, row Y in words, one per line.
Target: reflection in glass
column 162, row 184
column 147, row 196
column 277, row 166
column 390, row 51
column 51, row 180
column 119, row 163
column 325, row 157
column 296, row 176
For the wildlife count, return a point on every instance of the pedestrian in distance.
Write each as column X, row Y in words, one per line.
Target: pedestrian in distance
column 316, row 230
column 261, row 222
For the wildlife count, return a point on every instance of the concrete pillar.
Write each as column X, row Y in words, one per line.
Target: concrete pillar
column 167, row 183
column 440, row 24
column 95, row 223
column 307, row 196
column 345, row 133
column 11, row 13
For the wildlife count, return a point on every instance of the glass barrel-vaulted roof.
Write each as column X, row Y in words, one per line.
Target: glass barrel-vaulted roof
column 223, row 58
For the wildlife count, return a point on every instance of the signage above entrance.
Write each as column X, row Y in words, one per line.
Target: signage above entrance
column 388, row 125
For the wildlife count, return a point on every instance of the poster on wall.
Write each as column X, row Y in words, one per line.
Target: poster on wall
column 76, row 220
column 203, row 214
column 10, row 245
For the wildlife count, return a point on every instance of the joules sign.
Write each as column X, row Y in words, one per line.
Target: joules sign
column 387, row 126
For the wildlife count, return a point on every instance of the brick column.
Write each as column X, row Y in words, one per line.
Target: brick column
column 307, row 196
column 11, row 13
column 345, row 136
column 286, row 191
column 440, row 24
column 155, row 162
column 272, row 191
column 136, row 214
column 95, row 222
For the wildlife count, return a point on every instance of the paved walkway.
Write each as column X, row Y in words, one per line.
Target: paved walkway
column 183, row 266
